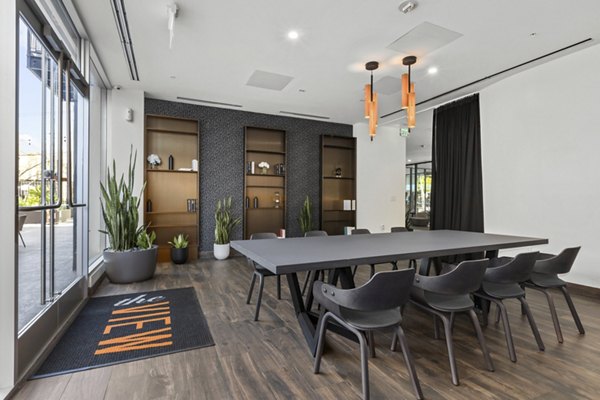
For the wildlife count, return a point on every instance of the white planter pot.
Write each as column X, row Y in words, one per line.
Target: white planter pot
column 221, row 251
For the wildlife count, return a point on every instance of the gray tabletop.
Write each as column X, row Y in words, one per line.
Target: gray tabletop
column 282, row 256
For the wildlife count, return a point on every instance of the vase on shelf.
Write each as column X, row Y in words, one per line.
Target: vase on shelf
column 264, row 171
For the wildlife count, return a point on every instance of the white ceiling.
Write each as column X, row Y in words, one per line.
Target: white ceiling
column 219, row 44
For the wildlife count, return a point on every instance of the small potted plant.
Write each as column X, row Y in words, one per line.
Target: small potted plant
column 179, row 249
column 264, row 167
column 224, row 224
column 131, row 256
column 153, row 160
column 305, row 217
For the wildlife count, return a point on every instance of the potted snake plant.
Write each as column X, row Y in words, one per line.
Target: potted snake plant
column 224, row 224
column 131, row 256
column 305, row 217
column 179, row 249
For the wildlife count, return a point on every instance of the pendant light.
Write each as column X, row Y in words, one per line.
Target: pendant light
column 371, row 100
column 409, row 102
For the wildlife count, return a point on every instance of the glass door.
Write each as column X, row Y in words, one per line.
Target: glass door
column 51, row 215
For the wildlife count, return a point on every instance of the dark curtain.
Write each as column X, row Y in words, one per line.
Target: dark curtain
column 457, row 193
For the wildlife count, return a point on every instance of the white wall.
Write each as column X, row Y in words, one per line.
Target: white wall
column 380, row 178
column 122, row 134
column 541, row 169
column 8, row 74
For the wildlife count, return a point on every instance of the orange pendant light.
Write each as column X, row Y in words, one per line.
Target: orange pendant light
column 409, row 101
column 367, row 100
column 371, row 100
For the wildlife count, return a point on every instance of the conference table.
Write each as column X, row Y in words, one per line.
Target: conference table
column 338, row 253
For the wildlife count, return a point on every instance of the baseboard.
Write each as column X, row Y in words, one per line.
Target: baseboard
column 582, row 290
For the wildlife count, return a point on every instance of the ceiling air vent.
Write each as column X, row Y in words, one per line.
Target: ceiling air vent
column 303, row 115
column 214, row 103
column 118, row 7
column 268, row 80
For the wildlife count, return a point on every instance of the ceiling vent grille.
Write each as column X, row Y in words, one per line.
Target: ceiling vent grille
column 118, row 7
column 214, row 103
column 303, row 115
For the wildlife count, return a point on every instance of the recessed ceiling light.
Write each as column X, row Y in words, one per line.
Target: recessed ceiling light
column 409, row 160
column 293, row 35
column 173, row 77
column 533, row 34
column 302, row 90
column 432, row 70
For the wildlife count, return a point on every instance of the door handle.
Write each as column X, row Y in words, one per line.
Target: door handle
column 70, row 202
column 57, row 204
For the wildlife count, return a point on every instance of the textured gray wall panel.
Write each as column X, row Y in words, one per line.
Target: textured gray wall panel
column 222, row 159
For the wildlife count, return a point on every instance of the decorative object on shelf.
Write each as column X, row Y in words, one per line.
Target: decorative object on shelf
column 131, row 255
column 371, row 100
column 191, row 205
column 148, row 205
column 353, row 205
column 276, row 200
column 264, row 167
column 153, row 160
column 282, row 233
column 282, row 169
column 247, row 202
column 171, row 162
column 408, row 93
column 277, row 171
column 338, row 172
column 348, row 230
column 179, row 249
column 255, row 202
column 305, row 217
column 347, row 205
column 194, row 165
column 224, row 224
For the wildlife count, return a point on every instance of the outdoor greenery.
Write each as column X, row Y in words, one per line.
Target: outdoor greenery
column 224, row 223
column 120, row 210
column 180, row 241
column 305, row 218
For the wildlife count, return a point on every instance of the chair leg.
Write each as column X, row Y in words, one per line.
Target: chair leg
column 354, row 271
column 394, row 341
column 364, row 364
column 22, row 240
column 320, row 343
column 278, row 287
column 534, row 329
column 553, row 313
column 481, row 338
column 436, row 328
column 497, row 319
column 408, row 360
column 573, row 310
column 507, row 332
column 485, row 311
column 261, row 285
column 452, row 318
column 449, row 344
column 371, row 339
column 251, row 288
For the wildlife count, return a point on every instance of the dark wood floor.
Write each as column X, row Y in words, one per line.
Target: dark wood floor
column 269, row 359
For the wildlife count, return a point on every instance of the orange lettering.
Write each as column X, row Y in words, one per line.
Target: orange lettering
column 144, row 308
column 138, row 316
column 138, row 324
column 138, row 341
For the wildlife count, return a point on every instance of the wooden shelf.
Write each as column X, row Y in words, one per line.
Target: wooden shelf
column 172, row 171
column 170, row 226
column 169, row 189
column 265, row 151
column 172, row 131
column 169, row 212
column 337, row 154
column 268, row 145
column 331, row 146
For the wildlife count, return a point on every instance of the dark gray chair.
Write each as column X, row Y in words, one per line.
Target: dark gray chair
column 260, row 273
column 312, row 274
column 412, row 263
column 545, row 277
column 502, row 280
column 364, row 231
column 446, row 295
column 375, row 305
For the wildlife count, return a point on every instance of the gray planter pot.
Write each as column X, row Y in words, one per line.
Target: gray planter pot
column 130, row 266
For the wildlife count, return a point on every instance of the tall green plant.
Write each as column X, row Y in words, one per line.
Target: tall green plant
column 120, row 208
column 305, row 218
column 224, row 223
